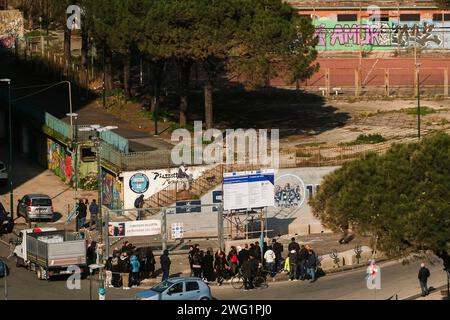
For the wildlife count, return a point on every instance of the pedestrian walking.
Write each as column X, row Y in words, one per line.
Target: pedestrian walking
column 424, row 274
column 191, row 259
column 165, row 265
column 93, row 210
column 135, row 268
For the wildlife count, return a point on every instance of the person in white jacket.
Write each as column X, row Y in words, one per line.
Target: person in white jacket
column 269, row 257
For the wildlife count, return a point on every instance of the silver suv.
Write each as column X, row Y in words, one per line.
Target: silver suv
column 35, row 207
column 3, row 172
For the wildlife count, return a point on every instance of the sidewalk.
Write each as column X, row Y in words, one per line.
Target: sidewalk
column 439, row 293
column 30, row 178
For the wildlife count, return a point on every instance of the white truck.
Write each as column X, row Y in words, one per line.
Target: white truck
column 49, row 252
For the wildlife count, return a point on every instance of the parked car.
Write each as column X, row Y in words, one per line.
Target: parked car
column 177, row 289
column 3, row 172
column 35, row 207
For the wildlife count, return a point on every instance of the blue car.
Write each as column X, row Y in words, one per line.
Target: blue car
column 177, row 289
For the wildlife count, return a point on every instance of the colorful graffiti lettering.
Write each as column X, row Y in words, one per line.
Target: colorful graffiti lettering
column 334, row 35
column 58, row 160
column 111, row 191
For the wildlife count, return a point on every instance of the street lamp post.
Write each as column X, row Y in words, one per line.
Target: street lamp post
column 418, row 98
column 96, row 139
column 10, row 164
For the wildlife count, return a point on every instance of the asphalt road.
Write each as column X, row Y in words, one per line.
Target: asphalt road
column 396, row 279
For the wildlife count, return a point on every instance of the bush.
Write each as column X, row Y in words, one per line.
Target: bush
column 423, row 111
column 89, row 183
column 365, row 139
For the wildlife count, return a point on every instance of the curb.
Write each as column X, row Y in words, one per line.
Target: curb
column 284, row 277
column 416, row 296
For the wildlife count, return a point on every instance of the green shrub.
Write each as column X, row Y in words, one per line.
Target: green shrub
column 423, row 111
column 365, row 139
column 89, row 183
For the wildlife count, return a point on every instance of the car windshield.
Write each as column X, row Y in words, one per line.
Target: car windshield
column 163, row 286
column 41, row 202
column 2, row 166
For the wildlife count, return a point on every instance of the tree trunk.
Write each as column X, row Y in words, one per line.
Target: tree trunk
column 209, row 118
column 108, row 69
column 184, row 68
column 30, row 15
column 67, row 49
column 126, row 75
column 84, row 58
column 157, row 75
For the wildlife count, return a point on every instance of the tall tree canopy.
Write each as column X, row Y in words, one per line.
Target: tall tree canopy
column 402, row 198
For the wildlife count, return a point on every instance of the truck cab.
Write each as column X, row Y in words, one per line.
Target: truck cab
column 20, row 251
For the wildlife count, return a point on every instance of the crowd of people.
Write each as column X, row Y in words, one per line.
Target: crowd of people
column 128, row 266
column 301, row 262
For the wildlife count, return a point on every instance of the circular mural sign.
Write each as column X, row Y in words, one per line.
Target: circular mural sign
column 290, row 191
column 139, row 183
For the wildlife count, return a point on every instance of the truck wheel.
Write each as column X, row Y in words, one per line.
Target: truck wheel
column 18, row 263
column 39, row 273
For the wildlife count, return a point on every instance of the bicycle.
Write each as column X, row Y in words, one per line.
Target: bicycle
column 259, row 281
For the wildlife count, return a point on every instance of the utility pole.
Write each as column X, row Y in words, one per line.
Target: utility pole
column 97, row 145
column 418, row 99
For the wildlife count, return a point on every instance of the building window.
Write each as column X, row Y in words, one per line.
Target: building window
column 347, row 17
column 438, row 17
column 410, row 17
column 87, row 155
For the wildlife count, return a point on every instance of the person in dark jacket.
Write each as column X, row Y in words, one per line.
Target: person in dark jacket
column 165, row 265
column 82, row 213
column 293, row 262
column 115, row 268
column 149, row 263
column 91, row 253
column 208, row 266
column 249, row 270
column 197, row 265
column 311, row 264
column 278, row 250
column 243, row 255
column 191, row 259
column 293, row 245
column 93, row 209
column 423, row 276
column 125, row 269
column 302, row 257
column 221, row 267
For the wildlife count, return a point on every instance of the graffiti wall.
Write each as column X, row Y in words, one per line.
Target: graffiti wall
column 423, row 29
column 112, row 188
column 59, row 160
column 11, row 28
